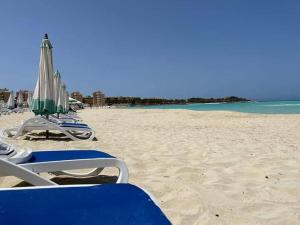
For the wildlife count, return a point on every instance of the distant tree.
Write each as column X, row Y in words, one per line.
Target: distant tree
column 161, row 101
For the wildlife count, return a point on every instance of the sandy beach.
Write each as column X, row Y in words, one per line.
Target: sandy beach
column 202, row 167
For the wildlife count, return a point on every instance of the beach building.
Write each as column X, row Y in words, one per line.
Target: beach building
column 77, row 95
column 98, row 98
column 4, row 94
column 88, row 100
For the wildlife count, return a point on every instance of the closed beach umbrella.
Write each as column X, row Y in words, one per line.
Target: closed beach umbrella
column 64, row 97
column 11, row 101
column 60, row 101
column 43, row 102
column 20, row 99
column 57, row 89
column 29, row 99
column 67, row 102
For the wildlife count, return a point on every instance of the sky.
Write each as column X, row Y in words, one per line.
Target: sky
column 156, row 48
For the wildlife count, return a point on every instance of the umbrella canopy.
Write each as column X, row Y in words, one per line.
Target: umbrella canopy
column 29, row 98
column 57, row 89
column 60, row 101
column 67, row 103
column 11, row 101
column 65, row 98
column 20, row 99
column 43, row 102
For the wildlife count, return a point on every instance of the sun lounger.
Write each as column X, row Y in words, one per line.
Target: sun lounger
column 108, row 204
column 65, row 121
column 63, row 118
column 5, row 111
column 71, row 130
column 27, row 165
column 18, row 110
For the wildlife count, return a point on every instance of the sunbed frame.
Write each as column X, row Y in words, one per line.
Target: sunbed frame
column 39, row 123
column 29, row 172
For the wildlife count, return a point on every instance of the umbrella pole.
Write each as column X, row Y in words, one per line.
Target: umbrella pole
column 47, row 131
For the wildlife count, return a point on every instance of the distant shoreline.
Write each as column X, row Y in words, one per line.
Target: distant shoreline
column 189, row 103
column 137, row 101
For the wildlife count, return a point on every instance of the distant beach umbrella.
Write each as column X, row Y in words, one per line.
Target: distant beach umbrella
column 65, row 97
column 11, row 101
column 29, row 99
column 56, row 89
column 67, row 102
column 43, row 102
column 60, row 101
column 20, row 99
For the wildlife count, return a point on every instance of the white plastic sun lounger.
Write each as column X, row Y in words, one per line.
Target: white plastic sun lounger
column 5, row 111
column 74, row 131
column 18, row 110
column 27, row 165
column 93, row 204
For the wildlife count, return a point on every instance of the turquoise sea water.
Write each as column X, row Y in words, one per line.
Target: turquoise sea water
column 270, row 107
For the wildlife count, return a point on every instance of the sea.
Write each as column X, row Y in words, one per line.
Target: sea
column 261, row 107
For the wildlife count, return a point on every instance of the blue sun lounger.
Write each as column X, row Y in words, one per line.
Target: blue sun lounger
column 27, row 165
column 65, row 122
column 108, row 204
column 64, row 118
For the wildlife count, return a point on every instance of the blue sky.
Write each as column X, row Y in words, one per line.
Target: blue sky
column 172, row 49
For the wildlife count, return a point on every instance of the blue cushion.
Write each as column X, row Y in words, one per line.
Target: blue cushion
column 109, row 204
column 74, row 124
column 48, row 156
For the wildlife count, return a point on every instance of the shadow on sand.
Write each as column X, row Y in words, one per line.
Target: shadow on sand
column 41, row 136
column 64, row 180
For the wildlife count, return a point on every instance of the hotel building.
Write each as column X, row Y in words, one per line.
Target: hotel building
column 4, row 94
column 98, row 98
column 77, row 95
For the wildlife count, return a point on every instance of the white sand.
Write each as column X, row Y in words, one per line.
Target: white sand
column 245, row 168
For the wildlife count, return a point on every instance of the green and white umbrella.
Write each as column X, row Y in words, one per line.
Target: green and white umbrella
column 57, row 91
column 20, row 99
column 11, row 101
column 65, row 98
column 43, row 102
column 60, row 102
column 67, row 103
column 29, row 98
